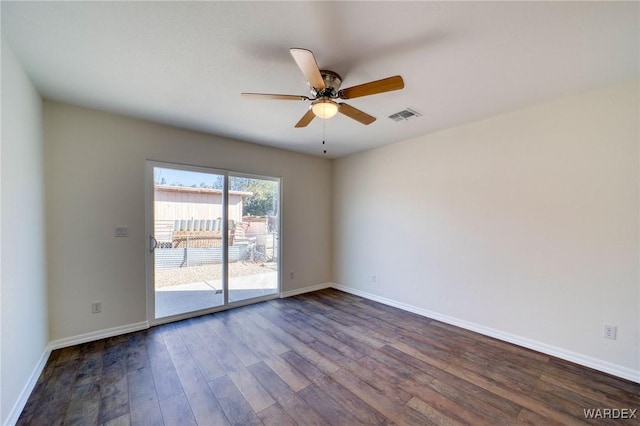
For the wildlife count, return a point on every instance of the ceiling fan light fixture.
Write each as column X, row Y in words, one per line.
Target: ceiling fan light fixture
column 324, row 108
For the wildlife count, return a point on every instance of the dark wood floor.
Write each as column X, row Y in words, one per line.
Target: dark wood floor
column 326, row 358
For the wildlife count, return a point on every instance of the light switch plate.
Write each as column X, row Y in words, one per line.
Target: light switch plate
column 121, row 231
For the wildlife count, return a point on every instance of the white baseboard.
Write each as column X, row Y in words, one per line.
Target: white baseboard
column 97, row 335
column 305, row 289
column 585, row 360
column 17, row 408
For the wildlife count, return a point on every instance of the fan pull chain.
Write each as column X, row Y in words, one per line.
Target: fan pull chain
column 324, row 125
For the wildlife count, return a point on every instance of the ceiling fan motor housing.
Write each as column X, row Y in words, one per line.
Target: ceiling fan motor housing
column 332, row 83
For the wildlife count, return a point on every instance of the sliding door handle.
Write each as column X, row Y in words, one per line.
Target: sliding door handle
column 153, row 243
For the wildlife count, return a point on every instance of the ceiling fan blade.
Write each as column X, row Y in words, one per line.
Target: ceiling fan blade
column 373, row 87
column 356, row 114
column 275, row 96
column 306, row 119
column 309, row 67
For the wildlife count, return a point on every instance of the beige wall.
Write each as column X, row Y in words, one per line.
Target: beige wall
column 524, row 225
column 23, row 306
column 95, row 173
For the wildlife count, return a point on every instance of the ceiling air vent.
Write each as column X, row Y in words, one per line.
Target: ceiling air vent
column 405, row 114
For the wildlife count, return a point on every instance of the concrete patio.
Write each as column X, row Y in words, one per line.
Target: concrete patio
column 179, row 299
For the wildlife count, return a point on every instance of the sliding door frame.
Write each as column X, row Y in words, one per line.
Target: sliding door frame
column 149, row 231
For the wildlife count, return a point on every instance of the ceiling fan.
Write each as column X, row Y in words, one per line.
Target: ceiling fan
column 325, row 88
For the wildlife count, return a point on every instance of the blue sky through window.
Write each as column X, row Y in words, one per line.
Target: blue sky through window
column 184, row 177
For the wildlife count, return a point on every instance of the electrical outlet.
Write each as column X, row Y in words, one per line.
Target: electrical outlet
column 610, row 332
column 374, row 278
column 96, row 307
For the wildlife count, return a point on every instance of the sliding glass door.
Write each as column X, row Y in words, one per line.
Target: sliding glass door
column 213, row 241
column 253, row 262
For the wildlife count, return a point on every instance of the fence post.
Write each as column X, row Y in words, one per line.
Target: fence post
column 186, row 251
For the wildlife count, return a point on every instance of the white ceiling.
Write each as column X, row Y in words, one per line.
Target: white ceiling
column 185, row 63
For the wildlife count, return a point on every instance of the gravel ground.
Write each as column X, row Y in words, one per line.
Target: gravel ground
column 193, row 274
